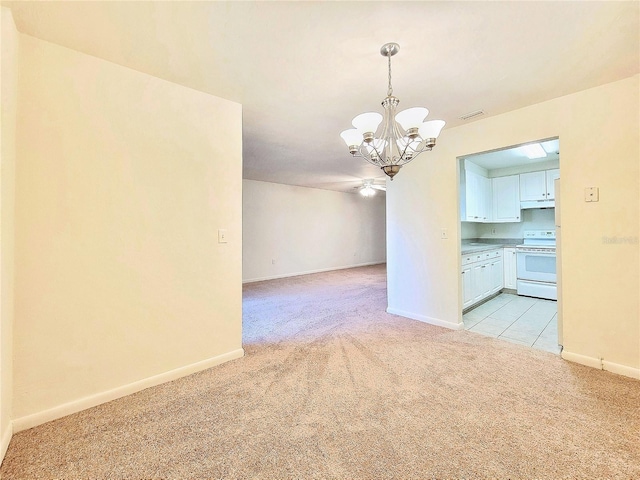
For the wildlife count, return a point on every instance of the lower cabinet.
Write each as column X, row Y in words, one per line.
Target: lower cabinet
column 482, row 276
column 510, row 276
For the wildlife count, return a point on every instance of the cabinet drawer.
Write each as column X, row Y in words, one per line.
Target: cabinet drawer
column 467, row 259
column 481, row 256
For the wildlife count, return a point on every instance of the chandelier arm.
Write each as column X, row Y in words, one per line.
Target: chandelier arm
column 376, row 150
column 365, row 156
column 417, row 151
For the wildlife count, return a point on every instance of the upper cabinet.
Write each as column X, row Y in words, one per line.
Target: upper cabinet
column 551, row 176
column 506, row 199
column 475, row 200
column 501, row 199
column 536, row 186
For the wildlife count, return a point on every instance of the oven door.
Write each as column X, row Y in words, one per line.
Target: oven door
column 536, row 266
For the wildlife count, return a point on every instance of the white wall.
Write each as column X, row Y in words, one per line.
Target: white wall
column 290, row 230
column 599, row 131
column 8, row 100
column 122, row 181
column 469, row 230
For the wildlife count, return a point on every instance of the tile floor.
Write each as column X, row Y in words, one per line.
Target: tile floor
column 522, row 320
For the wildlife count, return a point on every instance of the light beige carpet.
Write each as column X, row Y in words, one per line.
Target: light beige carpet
column 333, row 387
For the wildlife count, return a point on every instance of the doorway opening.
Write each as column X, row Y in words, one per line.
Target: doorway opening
column 509, row 229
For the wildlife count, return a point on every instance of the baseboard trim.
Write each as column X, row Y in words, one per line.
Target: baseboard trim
column 5, row 440
column 425, row 319
column 592, row 362
column 602, row 364
column 35, row 419
column 309, row 272
column 621, row 369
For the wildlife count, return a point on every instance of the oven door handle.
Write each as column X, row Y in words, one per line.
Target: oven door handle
column 538, row 254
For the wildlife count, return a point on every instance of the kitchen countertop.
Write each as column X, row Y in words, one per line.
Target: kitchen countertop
column 478, row 247
column 474, row 245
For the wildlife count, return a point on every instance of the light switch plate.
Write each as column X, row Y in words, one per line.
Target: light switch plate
column 222, row 235
column 591, row 194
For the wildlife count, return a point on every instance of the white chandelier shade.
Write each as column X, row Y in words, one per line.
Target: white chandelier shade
column 431, row 129
column 367, row 122
column 402, row 136
column 412, row 117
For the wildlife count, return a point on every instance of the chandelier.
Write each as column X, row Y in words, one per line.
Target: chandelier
column 403, row 136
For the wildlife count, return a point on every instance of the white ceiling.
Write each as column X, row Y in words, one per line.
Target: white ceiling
column 303, row 70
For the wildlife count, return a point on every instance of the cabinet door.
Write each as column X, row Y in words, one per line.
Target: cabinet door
column 510, row 268
column 477, row 202
column 497, row 276
column 472, row 190
column 485, row 280
column 467, row 287
column 485, row 203
column 506, row 199
column 551, row 176
column 533, row 186
column 477, row 281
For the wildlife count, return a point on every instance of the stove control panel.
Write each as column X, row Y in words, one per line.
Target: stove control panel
column 540, row 234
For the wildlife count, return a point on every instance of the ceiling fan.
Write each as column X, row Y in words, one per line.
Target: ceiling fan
column 369, row 187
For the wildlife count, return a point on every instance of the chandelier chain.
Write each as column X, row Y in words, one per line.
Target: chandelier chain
column 390, row 89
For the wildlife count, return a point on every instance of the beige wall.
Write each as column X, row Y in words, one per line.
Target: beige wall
column 290, row 230
column 8, row 99
column 122, row 182
column 599, row 141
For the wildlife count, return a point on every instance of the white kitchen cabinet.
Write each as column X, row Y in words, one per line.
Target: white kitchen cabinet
column 496, row 275
column 533, row 186
column 476, row 202
column 479, row 282
column 538, row 185
column 552, row 175
column 506, row 199
column 482, row 276
column 467, row 287
column 509, row 273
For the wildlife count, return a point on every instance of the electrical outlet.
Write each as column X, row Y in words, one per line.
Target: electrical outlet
column 591, row 194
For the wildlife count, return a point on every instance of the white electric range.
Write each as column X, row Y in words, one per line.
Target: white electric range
column 536, row 265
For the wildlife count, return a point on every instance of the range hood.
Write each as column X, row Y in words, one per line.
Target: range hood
column 538, row 204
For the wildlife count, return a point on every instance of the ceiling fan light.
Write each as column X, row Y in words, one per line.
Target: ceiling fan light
column 367, row 191
column 367, row 122
column 412, row 117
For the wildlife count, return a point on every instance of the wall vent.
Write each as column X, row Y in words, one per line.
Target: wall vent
column 467, row 116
